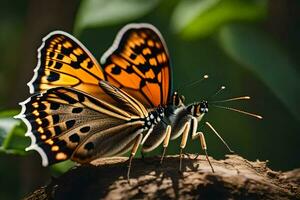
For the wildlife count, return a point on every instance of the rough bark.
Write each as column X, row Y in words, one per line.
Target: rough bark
column 234, row 178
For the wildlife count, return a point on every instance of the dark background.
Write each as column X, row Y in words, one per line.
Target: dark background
column 252, row 47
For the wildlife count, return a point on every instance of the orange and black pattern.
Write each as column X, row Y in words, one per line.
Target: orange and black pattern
column 140, row 65
column 64, row 61
column 80, row 110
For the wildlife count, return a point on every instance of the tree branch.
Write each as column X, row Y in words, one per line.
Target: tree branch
column 235, row 178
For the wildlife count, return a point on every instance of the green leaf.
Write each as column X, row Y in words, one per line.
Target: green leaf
column 194, row 19
column 62, row 167
column 7, row 123
column 8, row 113
column 12, row 138
column 256, row 51
column 96, row 13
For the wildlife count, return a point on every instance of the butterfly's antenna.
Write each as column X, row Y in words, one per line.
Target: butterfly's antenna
column 214, row 130
column 239, row 111
column 194, row 82
column 233, row 99
column 218, row 91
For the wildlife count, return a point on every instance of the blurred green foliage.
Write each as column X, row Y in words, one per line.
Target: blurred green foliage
column 12, row 138
column 99, row 13
column 194, row 19
column 227, row 39
column 263, row 56
column 12, row 19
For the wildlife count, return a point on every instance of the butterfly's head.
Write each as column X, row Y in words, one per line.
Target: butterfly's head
column 177, row 100
column 198, row 109
column 203, row 107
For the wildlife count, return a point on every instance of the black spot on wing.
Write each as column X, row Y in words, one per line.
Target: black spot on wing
column 57, row 130
column 77, row 110
column 48, row 133
column 90, row 65
column 70, row 123
column 85, row 129
column 42, row 123
column 66, row 51
column 80, row 97
column 74, row 138
column 89, row 146
column 55, row 119
column 144, row 68
column 60, row 56
column 132, row 56
column 57, row 65
column 53, row 76
column 51, row 54
column 116, row 70
column 45, row 122
column 54, row 106
column 80, row 59
column 129, row 69
column 40, row 108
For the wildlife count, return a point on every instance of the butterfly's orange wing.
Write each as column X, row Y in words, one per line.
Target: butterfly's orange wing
column 138, row 62
column 64, row 62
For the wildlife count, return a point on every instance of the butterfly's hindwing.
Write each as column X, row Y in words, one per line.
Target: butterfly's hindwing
column 63, row 119
column 109, row 142
column 138, row 62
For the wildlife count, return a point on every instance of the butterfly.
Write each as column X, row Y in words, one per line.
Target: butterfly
column 81, row 110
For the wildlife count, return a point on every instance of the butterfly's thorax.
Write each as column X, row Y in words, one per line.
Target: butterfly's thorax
column 177, row 117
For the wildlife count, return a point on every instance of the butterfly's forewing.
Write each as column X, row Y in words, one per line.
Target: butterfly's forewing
column 66, row 123
column 138, row 62
column 64, row 61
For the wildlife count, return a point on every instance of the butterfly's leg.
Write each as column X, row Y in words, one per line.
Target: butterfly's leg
column 166, row 142
column 136, row 144
column 185, row 133
column 204, row 147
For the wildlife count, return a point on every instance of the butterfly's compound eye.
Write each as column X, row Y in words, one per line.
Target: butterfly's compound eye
column 203, row 107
